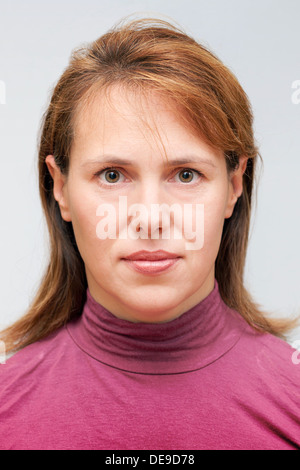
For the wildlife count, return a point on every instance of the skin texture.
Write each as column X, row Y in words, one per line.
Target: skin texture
column 148, row 131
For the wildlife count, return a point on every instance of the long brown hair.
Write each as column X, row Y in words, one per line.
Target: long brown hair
column 144, row 54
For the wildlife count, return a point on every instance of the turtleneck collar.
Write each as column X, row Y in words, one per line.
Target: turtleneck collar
column 197, row 338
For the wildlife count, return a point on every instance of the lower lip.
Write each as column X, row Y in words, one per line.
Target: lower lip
column 152, row 267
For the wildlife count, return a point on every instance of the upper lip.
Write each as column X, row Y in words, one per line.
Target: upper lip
column 151, row 255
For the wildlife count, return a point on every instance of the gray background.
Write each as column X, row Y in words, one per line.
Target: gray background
column 260, row 42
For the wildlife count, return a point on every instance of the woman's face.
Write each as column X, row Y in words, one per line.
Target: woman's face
column 140, row 133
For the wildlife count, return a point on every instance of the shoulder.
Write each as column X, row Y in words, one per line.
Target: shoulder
column 270, row 362
column 279, row 356
column 270, row 350
column 32, row 362
column 264, row 352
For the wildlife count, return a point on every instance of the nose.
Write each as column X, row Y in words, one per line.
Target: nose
column 148, row 211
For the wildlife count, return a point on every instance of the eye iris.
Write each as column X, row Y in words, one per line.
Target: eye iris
column 111, row 176
column 187, row 175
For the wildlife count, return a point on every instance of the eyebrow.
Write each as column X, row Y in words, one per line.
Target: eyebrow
column 120, row 161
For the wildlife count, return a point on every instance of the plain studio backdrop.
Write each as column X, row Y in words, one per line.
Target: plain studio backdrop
column 259, row 40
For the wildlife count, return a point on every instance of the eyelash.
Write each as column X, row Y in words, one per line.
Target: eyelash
column 103, row 170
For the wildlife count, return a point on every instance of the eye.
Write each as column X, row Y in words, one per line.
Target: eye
column 109, row 175
column 187, row 175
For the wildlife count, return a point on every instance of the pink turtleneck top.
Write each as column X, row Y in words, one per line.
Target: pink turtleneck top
column 205, row 380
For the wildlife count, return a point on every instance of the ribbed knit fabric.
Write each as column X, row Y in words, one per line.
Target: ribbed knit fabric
column 205, row 380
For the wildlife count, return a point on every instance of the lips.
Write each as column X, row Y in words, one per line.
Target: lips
column 152, row 262
column 151, row 256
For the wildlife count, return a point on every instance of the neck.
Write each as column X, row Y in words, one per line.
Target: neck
column 193, row 340
column 144, row 310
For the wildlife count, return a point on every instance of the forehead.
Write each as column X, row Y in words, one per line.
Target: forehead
column 118, row 119
column 125, row 106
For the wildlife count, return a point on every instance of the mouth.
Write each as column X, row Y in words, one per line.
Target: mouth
column 147, row 262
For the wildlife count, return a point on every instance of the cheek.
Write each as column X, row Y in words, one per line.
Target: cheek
column 201, row 261
column 214, row 222
column 85, row 220
column 214, row 215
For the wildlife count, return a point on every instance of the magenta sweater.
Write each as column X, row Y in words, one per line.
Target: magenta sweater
column 205, row 380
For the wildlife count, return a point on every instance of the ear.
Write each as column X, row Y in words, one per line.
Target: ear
column 59, row 188
column 236, row 186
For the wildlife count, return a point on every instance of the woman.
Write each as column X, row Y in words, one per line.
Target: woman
column 142, row 336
